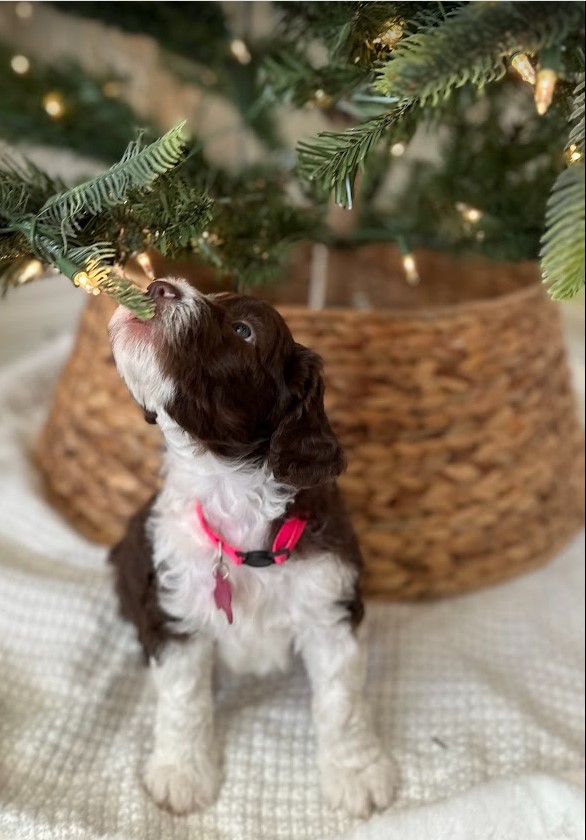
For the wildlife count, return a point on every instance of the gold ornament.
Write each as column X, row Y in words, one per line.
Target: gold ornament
column 20, row 64
column 54, row 105
column 544, row 89
column 240, row 51
column 410, row 266
column 524, row 67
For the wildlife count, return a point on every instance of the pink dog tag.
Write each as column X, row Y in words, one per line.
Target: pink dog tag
column 223, row 590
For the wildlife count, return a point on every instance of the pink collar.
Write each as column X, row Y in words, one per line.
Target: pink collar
column 287, row 538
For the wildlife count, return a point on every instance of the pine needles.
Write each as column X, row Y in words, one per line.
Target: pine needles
column 138, row 169
column 577, row 133
column 468, row 47
column 562, row 255
column 471, row 45
column 427, row 65
column 74, row 229
column 562, row 251
column 387, row 66
column 334, row 161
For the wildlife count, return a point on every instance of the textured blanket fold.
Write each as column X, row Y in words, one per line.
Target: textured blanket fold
column 481, row 698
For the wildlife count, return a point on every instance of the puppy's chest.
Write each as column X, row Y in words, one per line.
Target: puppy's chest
column 263, row 600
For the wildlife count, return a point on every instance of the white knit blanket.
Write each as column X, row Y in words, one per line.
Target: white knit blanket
column 480, row 698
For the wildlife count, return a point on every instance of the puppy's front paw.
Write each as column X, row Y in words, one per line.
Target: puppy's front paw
column 180, row 788
column 359, row 790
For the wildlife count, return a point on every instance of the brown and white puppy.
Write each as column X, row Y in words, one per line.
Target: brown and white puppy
column 240, row 405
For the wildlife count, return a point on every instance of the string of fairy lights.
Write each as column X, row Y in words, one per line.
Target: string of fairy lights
column 542, row 74
column 55, row 106
column 544, row 80
column 53, row 102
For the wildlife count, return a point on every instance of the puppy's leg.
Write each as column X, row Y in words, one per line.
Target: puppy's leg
column 355, row 774
column 182, row 772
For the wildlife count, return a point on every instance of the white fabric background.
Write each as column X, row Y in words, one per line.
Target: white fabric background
column 480, row 698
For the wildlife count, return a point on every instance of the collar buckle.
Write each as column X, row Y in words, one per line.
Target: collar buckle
column 259, row 559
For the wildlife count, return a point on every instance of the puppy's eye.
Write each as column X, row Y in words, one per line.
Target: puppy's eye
column 243, row 330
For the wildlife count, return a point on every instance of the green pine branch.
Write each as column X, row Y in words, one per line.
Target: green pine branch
column 165, row 219
column 78, row 230
column 23, row 189
column 334, row 158
column 293, row 79
column 349, row 30
column 470, row 47
column 577, row 133
column 138, row 169
column 562, row 244
column 252, row 226
column 562, row 254
column 343, row 27
column 352, row 33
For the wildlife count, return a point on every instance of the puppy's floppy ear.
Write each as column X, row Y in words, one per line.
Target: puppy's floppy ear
column 304, row 451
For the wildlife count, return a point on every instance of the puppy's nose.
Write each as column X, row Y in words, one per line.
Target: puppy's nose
column 162, row 290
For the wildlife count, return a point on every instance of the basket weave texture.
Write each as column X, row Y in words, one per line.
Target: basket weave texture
column 453, row 402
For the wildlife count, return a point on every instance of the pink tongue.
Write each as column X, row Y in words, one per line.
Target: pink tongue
column 223, row 595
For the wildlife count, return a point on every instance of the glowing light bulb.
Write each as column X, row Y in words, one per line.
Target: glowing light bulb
column 574, row 154
column 54, row 105
column 398, row 149
column 83, row 280
column 31, row 270
column 20, row 64
column 469, row 214
column 410, row 266
column 524, row 67
column 544, row 89
column 322, row 99
column 240, row 51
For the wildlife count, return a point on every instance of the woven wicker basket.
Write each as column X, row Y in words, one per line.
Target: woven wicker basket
column 453, row 400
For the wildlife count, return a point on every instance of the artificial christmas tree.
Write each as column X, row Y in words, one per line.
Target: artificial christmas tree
column 390, row 67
